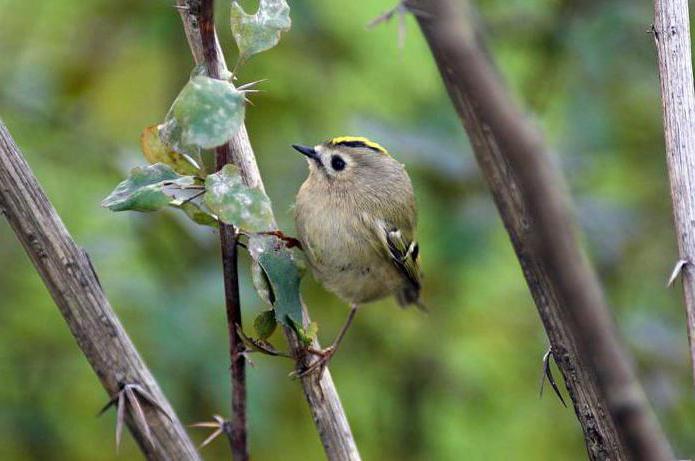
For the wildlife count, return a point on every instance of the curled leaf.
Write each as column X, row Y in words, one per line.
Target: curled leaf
column 143, row 189
column 235, row 203
column 206, row 114
column 265, row 324
column 261, row 31
column 261, row 283
column 155, row 151
column 284, row 277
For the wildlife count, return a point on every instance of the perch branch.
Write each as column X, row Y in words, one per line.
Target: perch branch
column 672, row 36
column 321, row 394
column 237, row 429
column 534, row 206
column 69, row 276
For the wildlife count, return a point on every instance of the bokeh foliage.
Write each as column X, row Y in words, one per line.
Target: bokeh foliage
column 82, row 78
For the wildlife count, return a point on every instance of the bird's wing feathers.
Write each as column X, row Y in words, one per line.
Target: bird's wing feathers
column 404, row 253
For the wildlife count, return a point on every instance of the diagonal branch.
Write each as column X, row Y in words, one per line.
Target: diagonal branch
column 321, row 394
column 68, row 274
column 672, row 36
column 534, row 207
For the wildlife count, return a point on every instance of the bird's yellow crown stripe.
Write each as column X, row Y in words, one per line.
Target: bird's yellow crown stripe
column 358, row 139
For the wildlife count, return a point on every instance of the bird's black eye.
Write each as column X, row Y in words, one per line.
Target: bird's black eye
column 337, row 163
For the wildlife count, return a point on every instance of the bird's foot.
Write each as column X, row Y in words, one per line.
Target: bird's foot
column 323, row 356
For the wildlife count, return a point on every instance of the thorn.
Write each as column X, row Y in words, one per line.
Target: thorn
column 220, row 425
column 676, row 271
column 250, row 84
column 120, row 417
column 547, row 373
column 181, row 7
column 130, row 393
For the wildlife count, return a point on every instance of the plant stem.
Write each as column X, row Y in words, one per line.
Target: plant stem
column 67, row 272
column 535, row 207
column 237, row 433
column 323, row 399
column 672, row 37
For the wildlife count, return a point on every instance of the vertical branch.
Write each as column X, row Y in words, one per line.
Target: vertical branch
column 534, row 206
column 321, row 394
column 69, row 276
column 672, row 36
column 237, row 431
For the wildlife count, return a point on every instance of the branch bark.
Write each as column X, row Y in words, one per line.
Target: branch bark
column 534, row 205
column 672, row 37
column 69, row 276
column 321, row 394
column 237, row 429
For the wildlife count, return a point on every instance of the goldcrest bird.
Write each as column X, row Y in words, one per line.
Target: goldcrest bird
column 355, row 216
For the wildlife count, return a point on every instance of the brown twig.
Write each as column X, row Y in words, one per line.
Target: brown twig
column 534, row 206
column 321, row 394
column 69, row 276
column 671, row 32
column 237, row 429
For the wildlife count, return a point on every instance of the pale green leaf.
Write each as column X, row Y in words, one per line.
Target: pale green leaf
column 206, row 114
column 261, row 31
column 235, row 203
column 143, row 189
column 261, row 282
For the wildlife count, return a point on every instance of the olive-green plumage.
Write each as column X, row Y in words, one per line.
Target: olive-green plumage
column 356, row 219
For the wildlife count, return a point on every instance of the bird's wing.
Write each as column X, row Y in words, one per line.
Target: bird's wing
column 403, row 251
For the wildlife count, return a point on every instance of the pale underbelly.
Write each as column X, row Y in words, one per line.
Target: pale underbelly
column 360, row 284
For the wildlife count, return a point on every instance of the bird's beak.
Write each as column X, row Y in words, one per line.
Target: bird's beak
column 308, row 151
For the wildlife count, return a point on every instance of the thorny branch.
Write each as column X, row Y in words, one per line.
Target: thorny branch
column 534, row 206
column 321, row 394
column 70, row 277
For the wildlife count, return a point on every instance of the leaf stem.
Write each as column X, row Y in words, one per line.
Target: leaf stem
column 237, row 433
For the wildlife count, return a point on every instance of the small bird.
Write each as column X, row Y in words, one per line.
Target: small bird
column 355, row 217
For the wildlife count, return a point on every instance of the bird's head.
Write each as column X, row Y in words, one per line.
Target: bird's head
column 346, row 159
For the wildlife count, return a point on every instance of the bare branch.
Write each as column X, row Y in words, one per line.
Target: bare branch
column 671, row 32
column 69, row 276
column 534, row 206
column 237, row 433
column 328, row 413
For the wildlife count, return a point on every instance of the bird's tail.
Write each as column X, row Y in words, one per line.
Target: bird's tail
column 410, row 295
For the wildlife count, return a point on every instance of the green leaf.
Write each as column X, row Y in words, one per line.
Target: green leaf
column 235, row 203
column 155, row 151
column 197, row 214
column 143, row 189
column 284, row 277
column 261, row 31
column 206, row 114
column 261, row 283
column 265, row 324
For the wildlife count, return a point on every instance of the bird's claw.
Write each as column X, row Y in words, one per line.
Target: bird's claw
column 319, row 365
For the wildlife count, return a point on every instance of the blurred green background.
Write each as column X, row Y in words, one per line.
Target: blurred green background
column 81, row 79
